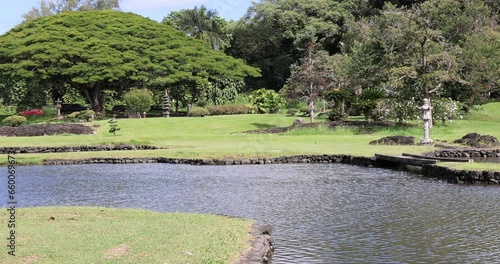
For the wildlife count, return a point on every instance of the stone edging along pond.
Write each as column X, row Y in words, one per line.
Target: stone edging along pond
column 262, row 245
column 18, row 150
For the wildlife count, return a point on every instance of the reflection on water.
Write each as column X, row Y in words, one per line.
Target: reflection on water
column 321, row 213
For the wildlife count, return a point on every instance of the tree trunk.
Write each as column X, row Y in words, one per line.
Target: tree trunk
column 311, row 110
column 93, row 95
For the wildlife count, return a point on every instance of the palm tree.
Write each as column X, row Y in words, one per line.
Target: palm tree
column 200, row 23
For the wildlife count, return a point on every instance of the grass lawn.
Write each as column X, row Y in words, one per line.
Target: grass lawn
column 222, row 137
column 104, row 235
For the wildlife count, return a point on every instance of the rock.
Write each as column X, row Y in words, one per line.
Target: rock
column 478, row 141
column 246, row 162
column 489, row 140
column 298, row 121
column 208, row 162
column 394, row 140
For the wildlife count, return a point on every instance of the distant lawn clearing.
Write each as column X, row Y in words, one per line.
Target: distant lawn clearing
column 224, row 137
column 106, row 235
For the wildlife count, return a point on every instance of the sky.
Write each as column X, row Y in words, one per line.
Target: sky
column 11, row 11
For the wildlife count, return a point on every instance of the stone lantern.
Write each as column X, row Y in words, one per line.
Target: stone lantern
column 166, row 105
column 58, row 107
column 426, row 117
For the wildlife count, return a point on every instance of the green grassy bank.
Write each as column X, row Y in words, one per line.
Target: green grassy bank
column 223, row 137
column 104, row 235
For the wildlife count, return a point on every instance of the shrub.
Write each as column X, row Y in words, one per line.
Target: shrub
column 292, row 112
column 201, row 103
column 198, row 112
column 445, row 109
column 49, row 110
column 14, row 121
column 304, row 110
column 382, row 110
column 85, row 115
column 266, row 101
column 337, row 115
column 251, row 109
column 138, row 100
column 236, row 109
column 73, row 115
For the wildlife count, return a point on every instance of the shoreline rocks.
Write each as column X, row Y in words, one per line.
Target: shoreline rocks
column 262, row 245
column 83, row 148
column 344, row 159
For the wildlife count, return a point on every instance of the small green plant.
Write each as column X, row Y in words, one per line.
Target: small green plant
column 113, row 126
column 14, row 121
column 198, row 112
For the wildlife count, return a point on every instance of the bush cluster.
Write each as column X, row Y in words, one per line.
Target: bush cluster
column 14, row 121
column 198, row 112
column 85, row 115
column 235, row 109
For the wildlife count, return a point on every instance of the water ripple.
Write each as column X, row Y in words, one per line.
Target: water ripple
column 321, row 213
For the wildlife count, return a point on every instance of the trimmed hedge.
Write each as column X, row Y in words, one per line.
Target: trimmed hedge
column 198, row 112
column 236, row 109
column 14, row 121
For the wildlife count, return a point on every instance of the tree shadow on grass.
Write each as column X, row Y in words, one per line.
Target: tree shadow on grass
column 263, row 125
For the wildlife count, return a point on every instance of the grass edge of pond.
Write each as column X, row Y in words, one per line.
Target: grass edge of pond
column 108, row 235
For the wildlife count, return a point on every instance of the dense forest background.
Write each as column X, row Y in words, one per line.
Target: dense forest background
column 350, row 54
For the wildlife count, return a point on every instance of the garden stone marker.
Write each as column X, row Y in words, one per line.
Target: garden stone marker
column 426, row 116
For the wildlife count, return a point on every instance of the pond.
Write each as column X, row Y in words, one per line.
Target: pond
column 321, row 213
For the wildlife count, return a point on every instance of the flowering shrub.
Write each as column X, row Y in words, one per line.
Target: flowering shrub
column 381, row 111
column 445, row 109
column 396, row 109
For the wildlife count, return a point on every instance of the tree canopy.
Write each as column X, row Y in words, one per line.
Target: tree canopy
column 52, row 7
column 427, row 49
column 97, row 50
column 274, row 33
column 201, row 23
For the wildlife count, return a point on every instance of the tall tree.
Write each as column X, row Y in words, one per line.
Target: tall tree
column 108, row 50
column 273, row 34
column 311, row 79
column 52, row 7
column 415, row 52
column 201, row 23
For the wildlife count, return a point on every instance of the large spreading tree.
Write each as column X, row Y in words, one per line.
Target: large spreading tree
column 94, row 51
column 52, row 7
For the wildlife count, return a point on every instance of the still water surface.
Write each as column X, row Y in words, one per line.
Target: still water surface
column 321, row 213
